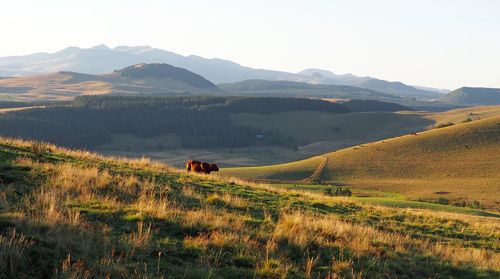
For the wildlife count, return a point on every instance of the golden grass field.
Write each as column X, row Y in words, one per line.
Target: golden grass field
column 457, row 162
column 73, row 214
column 55, row 86
column 64, row 86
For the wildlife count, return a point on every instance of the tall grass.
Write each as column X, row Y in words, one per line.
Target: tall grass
column 13, row 253
column 95, row 220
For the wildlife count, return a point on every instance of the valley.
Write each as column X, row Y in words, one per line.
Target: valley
column 439, row 163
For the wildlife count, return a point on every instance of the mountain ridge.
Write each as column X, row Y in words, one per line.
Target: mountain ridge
column 473, row 96
column 101, row 59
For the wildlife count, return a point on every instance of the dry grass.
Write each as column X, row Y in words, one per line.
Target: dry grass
column 462, row 160
column 13, row 253
column 459, row 115
column 85, row 155
column 141, row 237
column 227, row 199
column 115, row 222
column 304, row 229
column 210, row 218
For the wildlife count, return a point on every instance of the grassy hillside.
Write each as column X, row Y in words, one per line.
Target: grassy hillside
column 72, row 214
column 460, row 162
column 398, row 89
column 302, row 89
column 153, row 79
column 473, row 96
column 339, row 130
column 457, row 116
column 197, row 122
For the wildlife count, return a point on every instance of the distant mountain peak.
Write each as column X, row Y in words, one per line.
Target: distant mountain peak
column 101, row 47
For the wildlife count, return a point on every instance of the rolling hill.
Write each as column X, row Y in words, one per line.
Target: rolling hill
column 456, row 116
column 149, row 79
column 198, row 121
column 473, row 96
column 71, row 214
column 308, row 90
column 302, row 89
column 393, row 88
column 460, row 162
column 398, row 89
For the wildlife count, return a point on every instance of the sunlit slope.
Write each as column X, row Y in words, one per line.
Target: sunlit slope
column 464, row 114
column 291, row 171
column 459, row 162
column 341, row 128
column 99, row 217
column 154, row 78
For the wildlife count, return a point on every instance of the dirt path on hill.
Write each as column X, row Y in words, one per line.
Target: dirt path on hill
column 317, row 172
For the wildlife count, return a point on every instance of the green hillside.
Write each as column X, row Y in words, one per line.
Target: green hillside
column 458, row 163
column 199, row 121
column 302, row 89
column 398, row 89
column 164, row 71
column 71, row 214
column 473, row 96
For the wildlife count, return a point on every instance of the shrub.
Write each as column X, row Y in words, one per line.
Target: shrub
column 328, row 191
column 39, row 148
column 476, row 204
column 337, row 192
column 444, row 201
column 442, row 125
column 317, row 181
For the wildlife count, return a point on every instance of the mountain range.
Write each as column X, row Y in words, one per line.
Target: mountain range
column 102, row 59
column 149, row 79
column 165, row 79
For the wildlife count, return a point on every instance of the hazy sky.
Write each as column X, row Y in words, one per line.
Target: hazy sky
column 439, row 43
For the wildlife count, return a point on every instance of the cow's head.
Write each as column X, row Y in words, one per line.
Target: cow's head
column 214, row 167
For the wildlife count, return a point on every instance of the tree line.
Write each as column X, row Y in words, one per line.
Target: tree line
column 200, row 121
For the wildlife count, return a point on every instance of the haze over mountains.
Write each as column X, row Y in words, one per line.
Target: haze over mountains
column 102, row 59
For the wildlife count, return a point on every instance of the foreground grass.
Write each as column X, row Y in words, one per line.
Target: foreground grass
column 376, row 197
column 72, row 214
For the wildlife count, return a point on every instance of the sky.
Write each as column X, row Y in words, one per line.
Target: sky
column 436, row 43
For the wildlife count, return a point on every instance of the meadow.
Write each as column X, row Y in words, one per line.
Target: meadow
column 314, row 133
column 459, row 163
column 73, row 214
